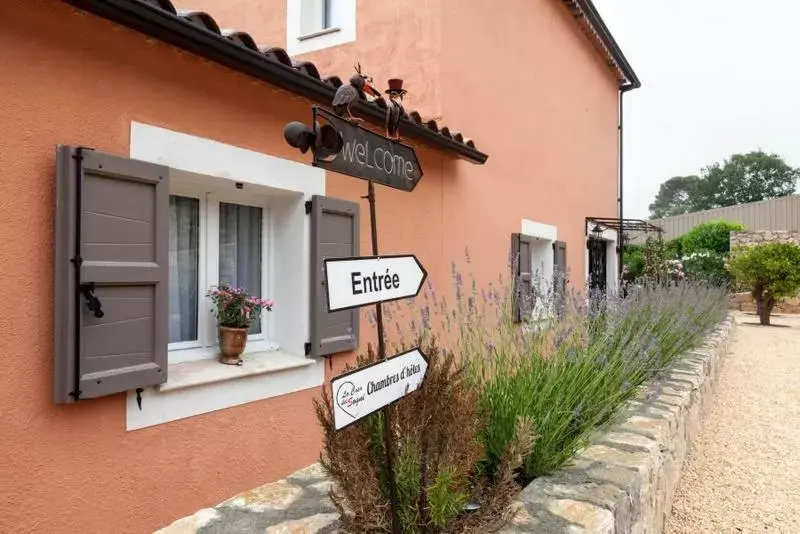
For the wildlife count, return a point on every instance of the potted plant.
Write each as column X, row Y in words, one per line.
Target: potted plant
column 235, row 311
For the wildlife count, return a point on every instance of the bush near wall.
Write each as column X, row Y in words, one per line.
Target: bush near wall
column 712, row 236
column 526, row 396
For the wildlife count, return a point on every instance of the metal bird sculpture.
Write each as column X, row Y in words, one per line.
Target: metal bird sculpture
column 349, row 93
column 394, row 108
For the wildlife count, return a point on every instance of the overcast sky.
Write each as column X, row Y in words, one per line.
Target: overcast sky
column 718, row 77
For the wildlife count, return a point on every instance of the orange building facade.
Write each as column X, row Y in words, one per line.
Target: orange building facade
column 513, row 110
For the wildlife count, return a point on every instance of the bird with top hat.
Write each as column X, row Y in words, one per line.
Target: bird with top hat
column 394, row 108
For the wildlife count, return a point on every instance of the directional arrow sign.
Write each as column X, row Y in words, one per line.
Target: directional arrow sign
column 364, row 391
column 354, row 282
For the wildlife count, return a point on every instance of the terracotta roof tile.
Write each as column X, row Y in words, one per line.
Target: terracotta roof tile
column 206, row 21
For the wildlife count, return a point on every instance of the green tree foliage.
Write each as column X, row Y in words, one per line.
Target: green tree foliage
column 771, row 272
column 712, row 235
column 675, row 197
column 737, row 180
column 746, row 178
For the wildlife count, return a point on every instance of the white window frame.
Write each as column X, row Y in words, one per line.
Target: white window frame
column 206, row 346
column 543, row 237
column 341, row 26
column 185, row 346
column 205, row 165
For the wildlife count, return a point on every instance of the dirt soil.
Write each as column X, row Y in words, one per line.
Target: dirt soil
column 743, row 472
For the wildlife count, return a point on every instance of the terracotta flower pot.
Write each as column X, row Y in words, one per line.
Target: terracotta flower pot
column 232, row 342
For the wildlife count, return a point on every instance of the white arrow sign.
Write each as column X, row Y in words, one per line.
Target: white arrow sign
column 354, row 282
column 364, row 391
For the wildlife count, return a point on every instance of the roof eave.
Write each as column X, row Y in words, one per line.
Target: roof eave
column 596, row 21
column 178, row 32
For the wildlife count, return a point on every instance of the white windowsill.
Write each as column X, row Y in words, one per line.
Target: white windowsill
column 318, row 33
column 196, row 373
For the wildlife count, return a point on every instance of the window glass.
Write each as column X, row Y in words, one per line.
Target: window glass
column 240, row 250
column 184, row 240
column 315, row 15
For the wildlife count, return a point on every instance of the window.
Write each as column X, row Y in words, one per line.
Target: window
column 213, row 240
column 240, row 249
column 317, row 24
column 315, row 16
column 184, row 264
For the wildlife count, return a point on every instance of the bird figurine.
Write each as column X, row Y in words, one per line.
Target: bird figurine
column 394, row 108
column 349, row 93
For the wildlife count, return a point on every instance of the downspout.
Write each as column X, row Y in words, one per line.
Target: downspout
column 622, row 90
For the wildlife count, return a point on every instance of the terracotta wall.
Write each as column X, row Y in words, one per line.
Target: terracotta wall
column 516, row 76
column 519, row 77
column 69, row 77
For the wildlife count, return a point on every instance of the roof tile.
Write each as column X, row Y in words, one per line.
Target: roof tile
column 279, row 55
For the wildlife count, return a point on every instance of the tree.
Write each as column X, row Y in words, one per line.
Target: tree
column 676, row 196
column 771, row 271
column 740, row 179
column 746, row 178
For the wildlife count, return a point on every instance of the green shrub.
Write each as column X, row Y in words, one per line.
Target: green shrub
column 707, row 266
column 711, row 235
column 633, row 259
column 674, row 248
column 770, row 271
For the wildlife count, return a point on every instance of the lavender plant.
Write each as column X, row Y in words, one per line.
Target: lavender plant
column 505, row 398
column 572, row 362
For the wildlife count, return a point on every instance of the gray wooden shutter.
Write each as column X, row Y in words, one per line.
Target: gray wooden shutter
column 334, row 234
column 522, row 272
column 112, row 235
column 560, row 275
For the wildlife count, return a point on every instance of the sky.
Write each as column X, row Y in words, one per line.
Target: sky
column 719, row 77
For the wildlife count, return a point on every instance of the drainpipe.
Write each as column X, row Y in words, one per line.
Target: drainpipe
column 622, row 90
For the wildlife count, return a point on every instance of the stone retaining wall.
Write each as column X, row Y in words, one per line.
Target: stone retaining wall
column 764, row 236
column 623, row 482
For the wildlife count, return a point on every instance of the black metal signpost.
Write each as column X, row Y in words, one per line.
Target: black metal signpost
column 348, row 148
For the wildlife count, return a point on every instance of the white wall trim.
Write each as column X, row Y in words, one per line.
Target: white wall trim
column 612, row 261
column 162, row 407
column 540, row 230
column 544, row 235
column 343, row 28
column 215, row 166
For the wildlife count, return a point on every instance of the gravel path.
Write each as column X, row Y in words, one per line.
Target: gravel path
column 743, row 473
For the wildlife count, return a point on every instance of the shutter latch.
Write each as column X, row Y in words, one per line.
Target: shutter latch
column 139, row 397
column 92, row 302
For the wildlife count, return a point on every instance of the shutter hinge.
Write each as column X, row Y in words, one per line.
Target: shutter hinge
column 78, row 155
column 308, row 349
column 308, row 206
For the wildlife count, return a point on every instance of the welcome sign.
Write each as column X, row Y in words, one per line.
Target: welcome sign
column 366, row 390
column 370, row 156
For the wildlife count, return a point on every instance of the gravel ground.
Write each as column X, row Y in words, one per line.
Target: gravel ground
column 743, row 472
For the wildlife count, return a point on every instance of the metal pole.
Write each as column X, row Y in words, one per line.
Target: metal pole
column 387, row 414
column 621, row 184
